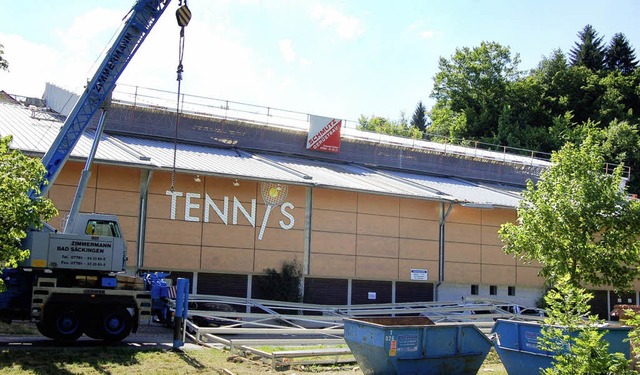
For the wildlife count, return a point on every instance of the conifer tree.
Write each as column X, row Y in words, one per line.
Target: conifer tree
column 588, row 52
column 418, row 120
column 620, row 55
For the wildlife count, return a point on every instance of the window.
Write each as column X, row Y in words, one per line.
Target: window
column 103, row 228
column 474, row 289
column 493, row 290
column 511, row 290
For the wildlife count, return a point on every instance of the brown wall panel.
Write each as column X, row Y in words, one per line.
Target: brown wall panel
column 70, row 174
column 386, row 226
column 464, row 233
column 378, row 205
column 377, row 268
column 286, row 240
column 161, row 182
column 498, row 274
column 376, row 246
column 462, row 253
column 173, row 231
column 333, row 221
column 129, row 226
column 159, row 207
column 297, row 195
column 62, row 197
column 218, row 188
column 464, row 215
column 490, row 236
column 118, row 178
column 495, row 255
column 528, row 276
column 117, row 202
column 333, row 243
column 463, row 273
column 273, row 259
column 223, row 259
column 230, row 236
column 498, row 216
column 335, row 200
column 420, row 209
column 406, row 265
column 171, row 257
column 419, row 229
column 331, row 265
column 418, row 249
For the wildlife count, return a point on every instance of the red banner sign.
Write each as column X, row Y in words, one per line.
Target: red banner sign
column 324, row 134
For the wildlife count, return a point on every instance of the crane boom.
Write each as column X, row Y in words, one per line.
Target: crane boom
column 141, row 20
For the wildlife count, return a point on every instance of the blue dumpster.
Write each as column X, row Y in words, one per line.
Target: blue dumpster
column 414, row 345
column 517, row 345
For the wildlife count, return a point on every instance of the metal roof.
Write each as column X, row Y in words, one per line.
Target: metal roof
column 354, row 177
column 464, row 192
column 208, row 160
column 35, row 131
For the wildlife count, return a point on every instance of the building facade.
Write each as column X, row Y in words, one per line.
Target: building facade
column 379, row 222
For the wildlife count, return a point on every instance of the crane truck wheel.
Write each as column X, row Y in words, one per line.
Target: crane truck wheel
column 115, row 324
column 62, row 323
column 44, row 329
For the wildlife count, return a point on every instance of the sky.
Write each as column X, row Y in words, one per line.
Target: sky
column 337, row 59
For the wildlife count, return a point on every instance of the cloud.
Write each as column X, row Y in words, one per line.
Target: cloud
column 286, row 49
column 348, row 27
column 418, row 28
column 427, row 34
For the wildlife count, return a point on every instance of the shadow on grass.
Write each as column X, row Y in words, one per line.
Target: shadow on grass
column 67, row 360
column 189, row 360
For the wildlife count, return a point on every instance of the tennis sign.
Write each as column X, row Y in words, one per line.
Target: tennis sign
column 199, row 208
column 324, row 134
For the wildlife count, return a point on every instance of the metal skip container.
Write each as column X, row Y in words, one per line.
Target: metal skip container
column 517, row 345
column 415, row 345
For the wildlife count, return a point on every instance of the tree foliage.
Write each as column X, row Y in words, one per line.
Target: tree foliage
column 576, row 221
column 382, row 125
column 4, row 64
column 283, row 285
column 419, row 118
column 19, row 174
column 620, row 55
column 572, row 336
column 588, row 52
column 475, row 82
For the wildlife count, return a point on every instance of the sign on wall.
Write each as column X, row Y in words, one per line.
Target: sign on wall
column 324, row 134
column 199, row 208
column 419, row 274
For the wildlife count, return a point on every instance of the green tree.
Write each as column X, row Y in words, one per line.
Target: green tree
column 523, row 121
column 620, row 55
column 19, row 174
column 4, row 64
column 576, row 221
column 588, row 52
column 474, row 82
column 419, row 118
column 571, row 334
column 283, row 285
column 382, row 125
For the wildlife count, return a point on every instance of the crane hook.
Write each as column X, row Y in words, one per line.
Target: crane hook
column 183, row 15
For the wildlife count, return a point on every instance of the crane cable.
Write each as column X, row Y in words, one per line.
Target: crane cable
column 183, row 16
